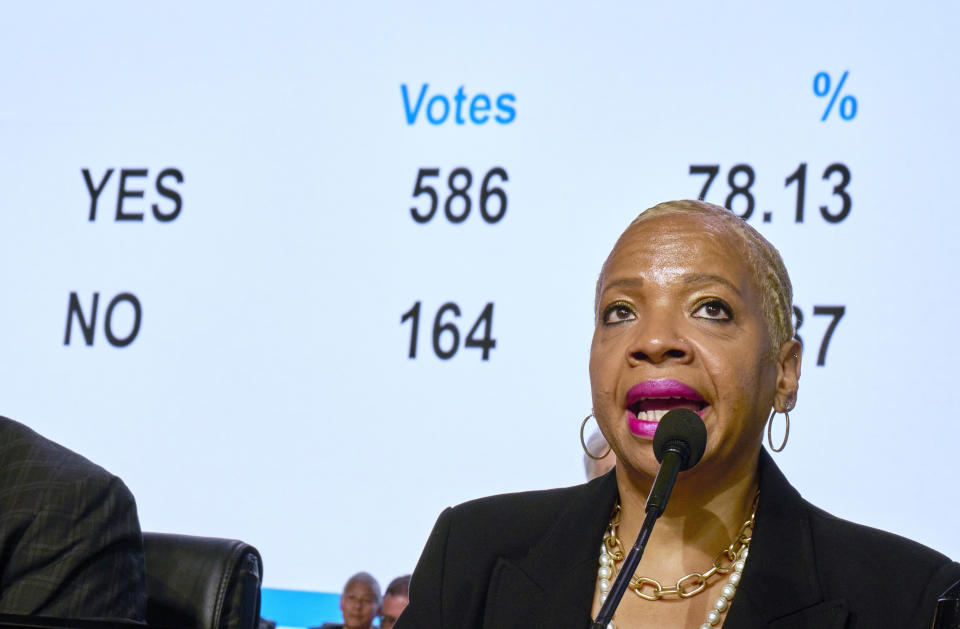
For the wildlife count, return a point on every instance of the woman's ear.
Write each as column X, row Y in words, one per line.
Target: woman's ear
column 788, row 376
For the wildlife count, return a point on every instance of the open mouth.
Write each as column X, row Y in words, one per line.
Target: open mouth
column 650, row 401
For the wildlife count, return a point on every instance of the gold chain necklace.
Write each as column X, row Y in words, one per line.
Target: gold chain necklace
column 692, row 584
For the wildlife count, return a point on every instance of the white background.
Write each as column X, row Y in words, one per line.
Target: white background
column 269, row 396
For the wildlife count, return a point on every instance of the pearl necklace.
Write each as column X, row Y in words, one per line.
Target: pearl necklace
column 611, row 551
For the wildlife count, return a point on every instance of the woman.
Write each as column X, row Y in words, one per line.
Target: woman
column 359, row 603
column 693, row 310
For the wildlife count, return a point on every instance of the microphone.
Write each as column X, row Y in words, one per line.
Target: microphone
column 678, row 445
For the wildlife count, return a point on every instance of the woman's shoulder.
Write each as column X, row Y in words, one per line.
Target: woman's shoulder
column 835, row 539
column 515, row 541
column 848, row 543
column 511, row 523
column 540, row 498
column 883, row 579
column 858, row 548
column 880, row 574
column 520, row 512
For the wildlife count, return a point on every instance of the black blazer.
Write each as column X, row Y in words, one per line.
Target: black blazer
column 530, row 560
column 70, row 542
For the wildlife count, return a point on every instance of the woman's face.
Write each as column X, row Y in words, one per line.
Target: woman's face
column 359, row 605
column 680, row 325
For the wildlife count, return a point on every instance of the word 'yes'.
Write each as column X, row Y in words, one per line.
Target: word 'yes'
column 88, row 326
column 437, row 108
column 126, row 190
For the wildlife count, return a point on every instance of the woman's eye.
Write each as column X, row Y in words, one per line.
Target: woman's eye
column 714, row 309
column 618, row 313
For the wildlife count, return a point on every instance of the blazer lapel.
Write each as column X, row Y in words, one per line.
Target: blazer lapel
column 829, row 615
column 552, row 586
column 780, row 587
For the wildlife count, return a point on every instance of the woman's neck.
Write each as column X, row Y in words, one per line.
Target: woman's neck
column 706, row 510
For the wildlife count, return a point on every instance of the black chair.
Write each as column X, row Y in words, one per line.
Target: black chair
column 947, row 615
column 14, row 621
column 201, row 582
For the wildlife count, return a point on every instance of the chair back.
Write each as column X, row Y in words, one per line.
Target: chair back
column 947, row 615
column 201, row 582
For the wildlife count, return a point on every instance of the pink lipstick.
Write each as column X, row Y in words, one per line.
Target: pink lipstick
column 647, row 402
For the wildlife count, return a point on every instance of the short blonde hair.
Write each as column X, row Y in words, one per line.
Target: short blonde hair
column 769, row 272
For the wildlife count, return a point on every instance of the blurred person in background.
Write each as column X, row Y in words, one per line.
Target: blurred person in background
column 598, row 457
column 395, row 599
column 359, row 603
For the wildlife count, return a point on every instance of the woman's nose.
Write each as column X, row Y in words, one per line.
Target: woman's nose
column 656, row 339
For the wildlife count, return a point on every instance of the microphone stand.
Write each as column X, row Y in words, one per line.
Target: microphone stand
column 676, row 454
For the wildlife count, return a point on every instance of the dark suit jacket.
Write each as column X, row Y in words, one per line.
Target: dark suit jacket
column 70, row 542
column 530, row 560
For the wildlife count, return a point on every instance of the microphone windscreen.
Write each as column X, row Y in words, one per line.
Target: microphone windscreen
column 681, row 424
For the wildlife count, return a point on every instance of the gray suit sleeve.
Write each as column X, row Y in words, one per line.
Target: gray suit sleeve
column 70, row 541
column 81, row 555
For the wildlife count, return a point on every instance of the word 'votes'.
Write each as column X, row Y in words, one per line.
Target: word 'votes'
column 126, row 190
column 437, row 108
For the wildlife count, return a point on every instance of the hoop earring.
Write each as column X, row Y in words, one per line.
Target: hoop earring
column 786, row 435
column 583, row 443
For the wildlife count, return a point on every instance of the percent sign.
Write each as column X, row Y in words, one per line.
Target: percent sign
column 848, row 104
